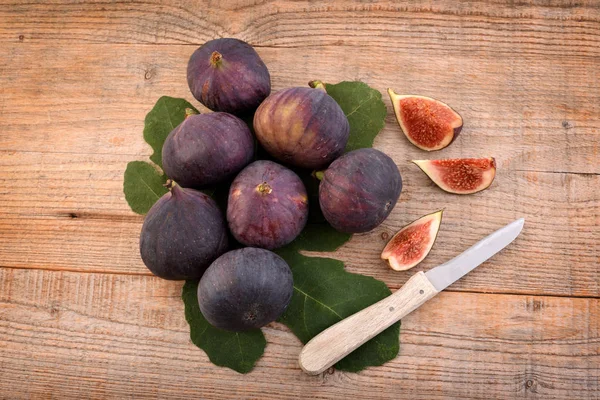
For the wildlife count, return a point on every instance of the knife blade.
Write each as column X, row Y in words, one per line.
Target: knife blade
column 339, row 340
column 446, row 274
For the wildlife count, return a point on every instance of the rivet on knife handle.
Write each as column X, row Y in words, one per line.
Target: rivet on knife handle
column 339, row 340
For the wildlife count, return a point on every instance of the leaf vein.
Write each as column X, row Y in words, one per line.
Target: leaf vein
column 318, row 302
column 360, row 105
column 148, row 186
column 237, row 335
column 168, row 115
column 304, row 315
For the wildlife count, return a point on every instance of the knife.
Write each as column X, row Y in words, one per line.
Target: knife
column 339, row 340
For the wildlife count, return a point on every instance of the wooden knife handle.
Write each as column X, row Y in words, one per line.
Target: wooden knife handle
column 339, row 340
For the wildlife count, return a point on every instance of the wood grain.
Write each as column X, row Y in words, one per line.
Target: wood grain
column 80, row 317
column 553, row 28
column 82, row 221
column 92, row 99
column 124, row 336
column 67, row 211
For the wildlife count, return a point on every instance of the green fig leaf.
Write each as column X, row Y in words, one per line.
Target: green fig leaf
column 324, row 293
column 236, row 350
column 168, row 112
column 364, row 109
column 143, row 186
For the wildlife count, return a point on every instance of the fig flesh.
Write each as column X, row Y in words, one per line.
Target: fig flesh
column 427, row 123
column 359, row 190
column 304, row 127
column 206, row 149
column 245, row 289
column 183, row 233
column 267, row 206
column 228, row 75
column 411, row 244
column 460, row 175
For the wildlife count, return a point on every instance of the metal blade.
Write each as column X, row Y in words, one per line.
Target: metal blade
column 446, row 274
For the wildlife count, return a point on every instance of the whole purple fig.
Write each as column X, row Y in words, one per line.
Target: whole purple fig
column 245, row 289
column 206, row 149
column 228, row 75
column 268, row 205
column 301, row 126
column 183, row 233
column 359, row 190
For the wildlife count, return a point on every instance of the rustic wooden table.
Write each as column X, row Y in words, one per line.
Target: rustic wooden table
column 81, row 317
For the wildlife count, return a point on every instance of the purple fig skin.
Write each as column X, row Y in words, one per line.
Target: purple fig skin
column 206, row 149
column 267, row 206
column 228, row 75
column 183, row 233
column 303, row 127
column 359, row 190
column 245, row 289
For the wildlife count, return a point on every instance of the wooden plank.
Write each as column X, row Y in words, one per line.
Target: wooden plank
column 93, row 100
column 92, row 335
column 74, row 100
column 556, row 28
column 67, row 212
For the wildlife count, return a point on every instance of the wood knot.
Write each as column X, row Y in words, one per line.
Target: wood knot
column 149, row 73
column 567, row 125
column 54, row 309
column 529, row 383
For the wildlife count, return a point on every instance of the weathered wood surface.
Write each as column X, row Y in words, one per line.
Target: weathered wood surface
column 107, row 335
column 79, row 315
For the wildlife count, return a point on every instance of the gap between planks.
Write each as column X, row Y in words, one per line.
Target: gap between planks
column 135, row 157
column 394, row 287
column 282, row 47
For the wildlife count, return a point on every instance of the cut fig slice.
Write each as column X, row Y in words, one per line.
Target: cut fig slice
column 427, row 123
column 412, row 243
column 460, row 175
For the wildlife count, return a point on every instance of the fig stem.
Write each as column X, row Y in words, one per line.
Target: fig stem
column 216, row 59
column 264, row 188
column 319, row 175
column 190, row 112
column 170, row 184
column 317, row 85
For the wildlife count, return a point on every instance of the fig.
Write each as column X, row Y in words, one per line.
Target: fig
column 228, row 75
column 245, row 289
column 411, row 244
column 183, row 233
column 460, row 175
column 304, row 127
column 267, row 206
column 359, row 190
column 427, row 123
column 206, row 149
